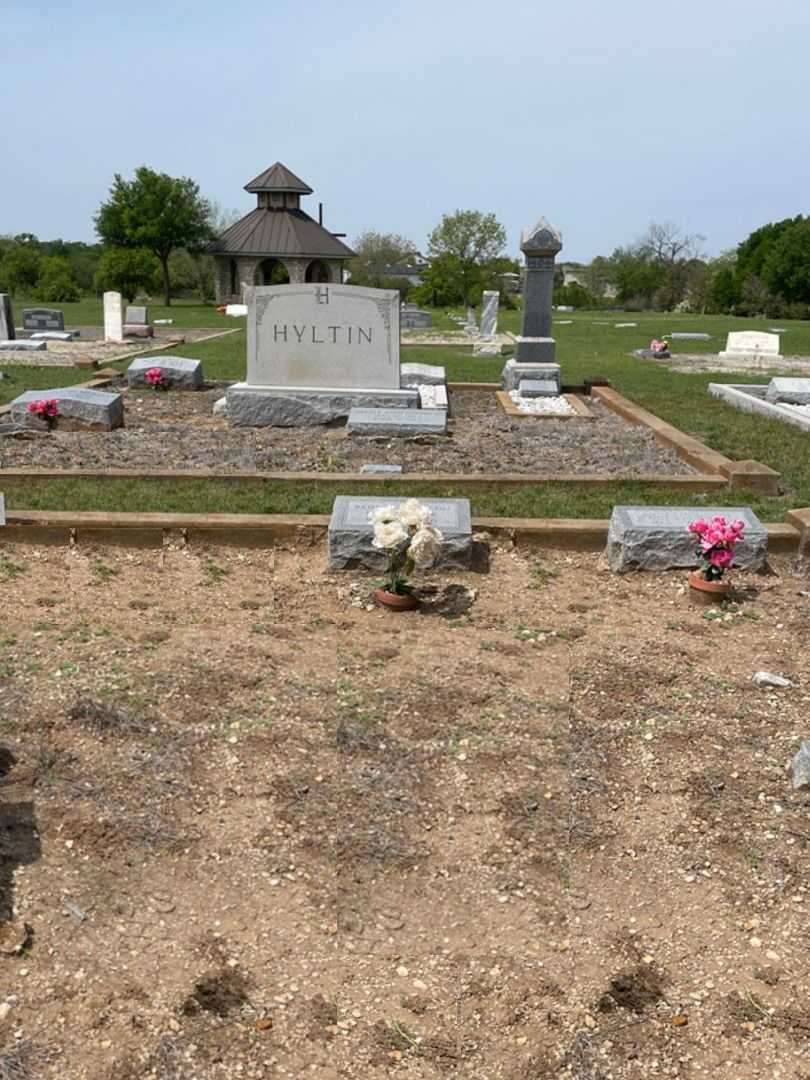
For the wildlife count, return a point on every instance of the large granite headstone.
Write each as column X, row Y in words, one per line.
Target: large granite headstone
column 93, row 410
column 317, row 350
column 180, row 372
column 351, row 533
column 397, row 423
column 113, row 317
column 7, row 332
column 751, row 345
column 43, row 319
column 788, row 391
column 540, row 246
column 657, row 538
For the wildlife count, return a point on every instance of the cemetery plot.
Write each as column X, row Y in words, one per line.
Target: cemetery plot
column 177, row 430
column 257, row 819
column 90, row 345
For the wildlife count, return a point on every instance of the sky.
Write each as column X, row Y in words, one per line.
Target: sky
column 602, row 117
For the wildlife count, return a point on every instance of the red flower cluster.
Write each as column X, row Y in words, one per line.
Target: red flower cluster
column 156, row 379
column 716, row 542
column 46, row 409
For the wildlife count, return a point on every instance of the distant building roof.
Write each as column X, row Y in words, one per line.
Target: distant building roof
column 280, row 232
column 278, row 178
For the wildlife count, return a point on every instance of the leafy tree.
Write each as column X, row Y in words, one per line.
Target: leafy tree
column 573, row 295
column 786, row 269
column 21, row 268
column 57, row 282
column 439, row 286
column 156, row 212
column 377, row 253
column 471, row 239
column 126, row 270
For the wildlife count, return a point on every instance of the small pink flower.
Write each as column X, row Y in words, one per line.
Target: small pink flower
column 722, row 557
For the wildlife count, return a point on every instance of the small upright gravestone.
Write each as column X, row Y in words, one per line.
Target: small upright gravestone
column 6, row 318
column 113, row 317
column 351, row 532
column 43, row 319
column 77, row 407
column 657, row 537
column 179, row 372
column 136, row 322
column 486, row 343
column 751, row 345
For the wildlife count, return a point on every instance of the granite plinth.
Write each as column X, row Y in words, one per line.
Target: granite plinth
column 138, row 330
column 54, row 335
column 293, row 406
column 23, row 345
column 535, row 388
column 78, row 407
column 656, row 537
column 535, row 350
column 398, row 423
column 514, row 373
column 421, row 375
column 180, row 372
column 351, row 533
column 788, row 391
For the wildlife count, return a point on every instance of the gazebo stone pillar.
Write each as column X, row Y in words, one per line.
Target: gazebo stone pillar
column 246, row 267
column 540, row 246
column 297, row 269
column 222, row 279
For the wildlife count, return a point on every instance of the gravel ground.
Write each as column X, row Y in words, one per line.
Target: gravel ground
column 91, row 346
column 177, row 430
column 254, row 826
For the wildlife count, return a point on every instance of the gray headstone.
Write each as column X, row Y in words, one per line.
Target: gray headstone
column 535, row 350
column 23, row 345
column 381, row 470
column 397, row 422
column 533, row 388
column 789, row 391
column 801, row 766
column 137, row 315
column 514, row 373
column 94, row 409
column 414, row 319
column 7, row 332
column 181, row 372
column 268, row 406
column 351, row 533
column 684, row 336
column 656, row 537
column 54, row 335
column 422, row 375
column 43, row 319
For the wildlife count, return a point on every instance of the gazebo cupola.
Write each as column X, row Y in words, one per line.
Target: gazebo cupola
column 277, row 243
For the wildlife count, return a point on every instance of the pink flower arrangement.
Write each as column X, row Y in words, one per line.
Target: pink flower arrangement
column 46, row 409
column 156, row 379
column 657, row 346
column 716, row 542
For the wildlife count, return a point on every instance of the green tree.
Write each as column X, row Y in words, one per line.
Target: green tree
column 156, row 212
column 20, row 268
column 126, row 270
column 439, row 286
column 786, row 269
column 376, row 254
column 471, row 239
column 57, row 282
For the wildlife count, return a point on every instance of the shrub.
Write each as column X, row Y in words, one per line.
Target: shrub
column 57, row 282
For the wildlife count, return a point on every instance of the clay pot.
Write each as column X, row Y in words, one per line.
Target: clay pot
column 396, row 601
column 707, row 592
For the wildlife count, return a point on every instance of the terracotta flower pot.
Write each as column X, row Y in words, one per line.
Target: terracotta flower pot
column 397, row 601
column 709, row 590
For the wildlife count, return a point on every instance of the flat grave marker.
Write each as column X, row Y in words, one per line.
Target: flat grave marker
column 656, row 537
column 397, row 422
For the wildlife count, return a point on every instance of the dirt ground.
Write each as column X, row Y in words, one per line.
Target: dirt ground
column 253, row 826
column 90, row 345
column 177, row 430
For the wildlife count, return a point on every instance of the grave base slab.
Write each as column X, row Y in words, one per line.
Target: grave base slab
column 290, row 406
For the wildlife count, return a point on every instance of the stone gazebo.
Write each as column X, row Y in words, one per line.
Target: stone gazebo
column 277, row 243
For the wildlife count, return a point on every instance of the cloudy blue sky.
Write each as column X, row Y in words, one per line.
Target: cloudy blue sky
column 600, row 116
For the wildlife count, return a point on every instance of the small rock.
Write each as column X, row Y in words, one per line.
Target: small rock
column 766, row 678
column 5, row 1009
column 801, row 766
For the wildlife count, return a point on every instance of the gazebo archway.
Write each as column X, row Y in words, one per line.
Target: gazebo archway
column 317, row 272
column 272, row 272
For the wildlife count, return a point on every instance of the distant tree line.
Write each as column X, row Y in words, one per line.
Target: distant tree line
column 767, row 274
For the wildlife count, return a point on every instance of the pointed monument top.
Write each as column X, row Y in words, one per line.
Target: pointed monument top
column 542, row 239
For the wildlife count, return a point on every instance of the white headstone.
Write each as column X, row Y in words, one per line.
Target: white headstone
column 323, row 336
column 489, row 314
column 113, row 317
column 752, row 343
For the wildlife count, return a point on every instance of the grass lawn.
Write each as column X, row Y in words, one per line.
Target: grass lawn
column 89, row 311
column 583, row 349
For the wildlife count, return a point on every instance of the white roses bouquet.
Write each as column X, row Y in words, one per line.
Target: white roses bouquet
column 406, row 534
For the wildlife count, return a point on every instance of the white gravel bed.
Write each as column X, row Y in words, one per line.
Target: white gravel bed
column 541, row 405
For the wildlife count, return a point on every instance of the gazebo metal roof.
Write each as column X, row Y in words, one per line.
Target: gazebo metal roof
column 278, row 178
column 284, row 232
